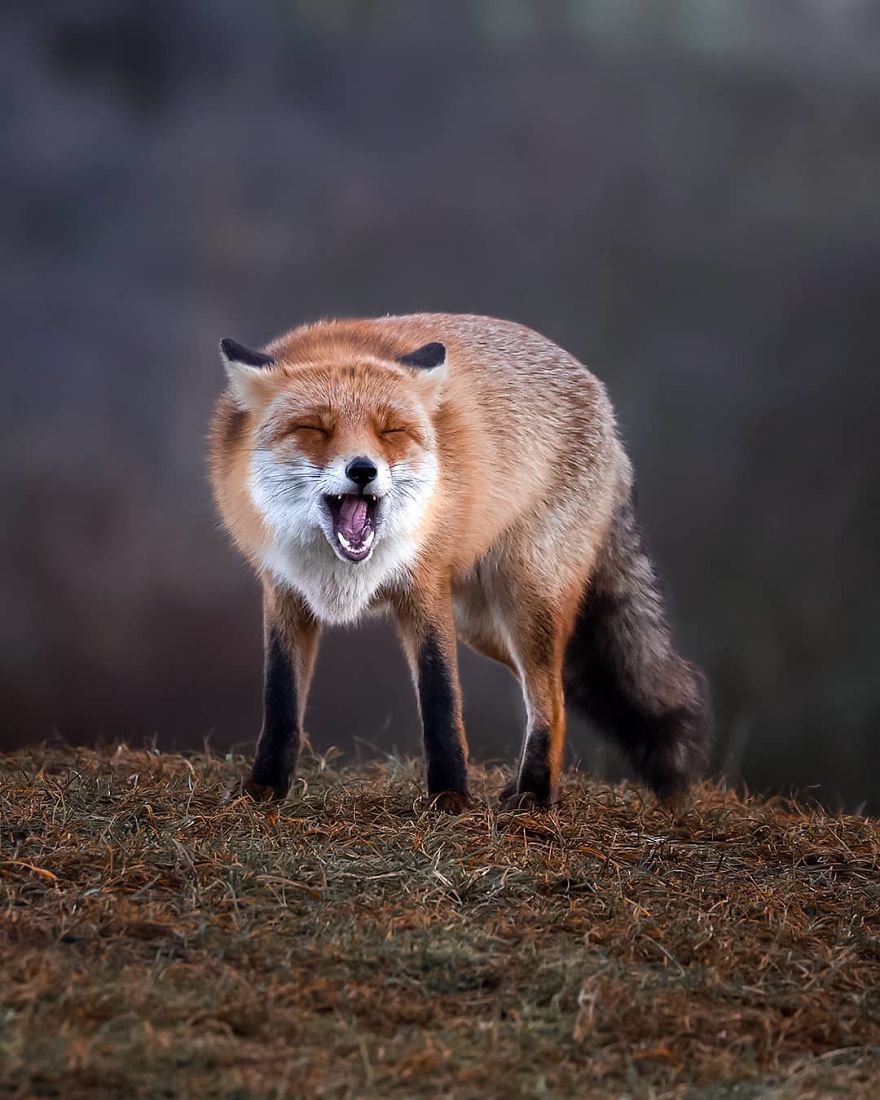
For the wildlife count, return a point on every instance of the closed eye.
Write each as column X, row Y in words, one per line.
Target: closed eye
column 309, row 428
column 394, row 431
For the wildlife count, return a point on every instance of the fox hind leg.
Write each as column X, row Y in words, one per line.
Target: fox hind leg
column 538, row 640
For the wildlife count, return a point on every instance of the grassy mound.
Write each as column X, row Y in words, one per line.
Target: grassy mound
column 160, row 938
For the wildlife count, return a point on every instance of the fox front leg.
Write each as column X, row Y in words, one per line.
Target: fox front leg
column 428, row 638
column 290, row 643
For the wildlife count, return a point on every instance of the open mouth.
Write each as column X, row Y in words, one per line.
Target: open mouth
column 354, row 524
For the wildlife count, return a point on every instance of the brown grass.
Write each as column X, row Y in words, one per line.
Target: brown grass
column 162, row 940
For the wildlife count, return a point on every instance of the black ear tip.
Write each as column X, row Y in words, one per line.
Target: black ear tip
column 426, row 357
column 235, row 352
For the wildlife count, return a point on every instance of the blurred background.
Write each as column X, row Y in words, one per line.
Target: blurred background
column 683, row 194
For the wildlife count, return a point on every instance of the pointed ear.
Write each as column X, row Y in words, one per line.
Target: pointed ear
column 244, row 368
column 428, row 357
column 430, row 361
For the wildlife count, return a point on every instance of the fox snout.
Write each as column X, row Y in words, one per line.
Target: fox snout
column 361, row 471
column 361, row 474
column 354, row 511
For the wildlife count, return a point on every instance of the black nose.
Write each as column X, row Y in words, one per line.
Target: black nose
column 361, row 471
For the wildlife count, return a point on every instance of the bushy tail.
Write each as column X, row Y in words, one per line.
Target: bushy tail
column 621, row 669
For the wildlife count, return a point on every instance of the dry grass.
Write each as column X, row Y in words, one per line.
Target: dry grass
column 159, row 940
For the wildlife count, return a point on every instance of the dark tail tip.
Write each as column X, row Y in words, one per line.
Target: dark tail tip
column 673, row 751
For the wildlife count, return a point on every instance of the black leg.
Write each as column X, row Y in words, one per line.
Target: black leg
column 278, row 747
column 290, row 640
column 429, row 640
column 441, row 719
column 535, row 773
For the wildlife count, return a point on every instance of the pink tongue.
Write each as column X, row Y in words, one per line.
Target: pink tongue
column 353, row 517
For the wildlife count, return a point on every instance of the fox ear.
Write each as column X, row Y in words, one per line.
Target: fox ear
column 244, row 368
column 430, row 361
column 428, row 357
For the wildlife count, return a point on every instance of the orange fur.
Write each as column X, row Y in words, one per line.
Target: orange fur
column 516, row 474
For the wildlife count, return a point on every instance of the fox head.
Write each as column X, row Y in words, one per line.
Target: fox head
column 344, row 450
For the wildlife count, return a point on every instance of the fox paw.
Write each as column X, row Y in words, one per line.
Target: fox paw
column 512, row 799
column 264, row 792
column 257, row 791
column 448, row 802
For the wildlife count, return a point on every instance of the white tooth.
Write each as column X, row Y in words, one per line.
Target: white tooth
column 367, row 543
column 339, row 498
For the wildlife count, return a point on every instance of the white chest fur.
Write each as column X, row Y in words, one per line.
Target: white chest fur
column 299, row 556
column 338, row 592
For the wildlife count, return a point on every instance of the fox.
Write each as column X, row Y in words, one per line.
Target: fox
column 466, row 476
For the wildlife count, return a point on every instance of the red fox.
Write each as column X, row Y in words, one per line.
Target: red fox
column 464, row 474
